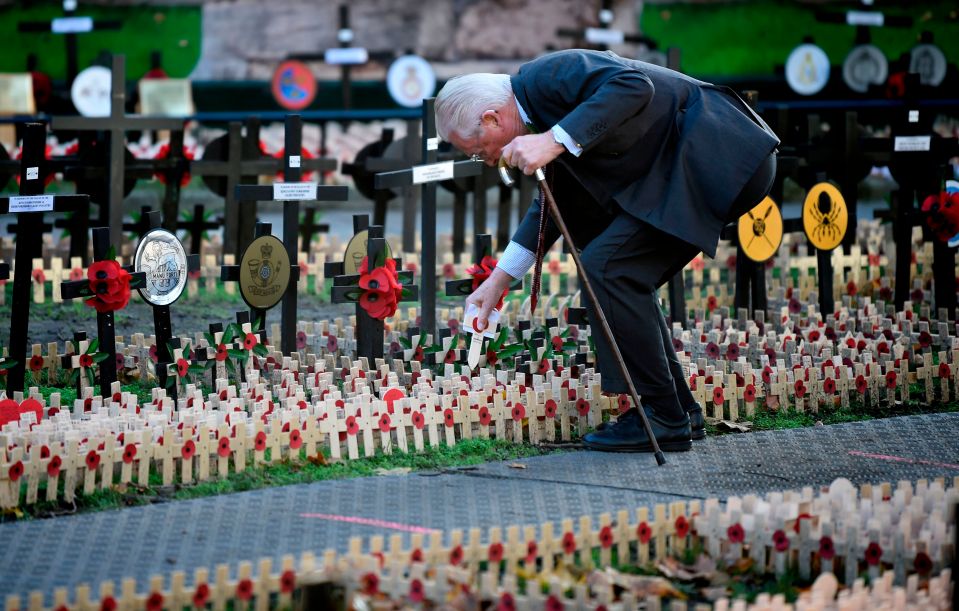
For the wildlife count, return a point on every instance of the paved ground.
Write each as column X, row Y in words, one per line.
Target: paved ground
column 139, row 542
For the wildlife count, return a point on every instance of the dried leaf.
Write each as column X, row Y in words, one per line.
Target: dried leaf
column 318, row 460
column 517, row 465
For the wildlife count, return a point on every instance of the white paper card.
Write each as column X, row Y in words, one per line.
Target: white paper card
column 31, row 203
column 33, row 173
column 602, row 36
column 912, row 143
column 294, row 161
column 470, row 315
column 433, row 172
column 432, row 144
column 914, row 116
column 347, row 55
column 865, row 18
column 71, row 25
column 294, row 191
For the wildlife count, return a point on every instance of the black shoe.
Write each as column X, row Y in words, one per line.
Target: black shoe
column 696, row 422
column 627, row 435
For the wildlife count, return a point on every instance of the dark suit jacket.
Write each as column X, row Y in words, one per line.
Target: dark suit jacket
column 666, row 148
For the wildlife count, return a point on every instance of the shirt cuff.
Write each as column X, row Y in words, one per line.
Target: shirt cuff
column 516, row 260
column 560, row 135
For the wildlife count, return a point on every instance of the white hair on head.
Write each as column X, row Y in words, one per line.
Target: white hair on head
column 463, row 99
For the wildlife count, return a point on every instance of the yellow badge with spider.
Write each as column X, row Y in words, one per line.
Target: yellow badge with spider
column 824, row 216
column 761, row 230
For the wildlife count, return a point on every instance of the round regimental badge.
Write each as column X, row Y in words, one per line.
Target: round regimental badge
column 761, row 230
column 864, row 66
column 293, row 85
column 824, row 216
column 356, row 250
column 160, row 256
column 807, row 69
column 264, row 272
column 90, row 92
column 928, row 61
column 409, row 80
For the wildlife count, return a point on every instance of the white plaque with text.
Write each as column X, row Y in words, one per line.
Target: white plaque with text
column 912, row 143
column 433, row 172
column 31, row 203
column 294, row 191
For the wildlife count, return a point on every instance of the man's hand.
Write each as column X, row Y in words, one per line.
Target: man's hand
column 488, row 294
column 532, row 152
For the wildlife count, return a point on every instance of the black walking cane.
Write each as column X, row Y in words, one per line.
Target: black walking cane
column 558, row 218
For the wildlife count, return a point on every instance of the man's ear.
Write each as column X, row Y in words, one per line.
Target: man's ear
column 490, row 118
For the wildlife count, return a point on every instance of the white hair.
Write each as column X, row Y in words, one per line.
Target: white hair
column 463, row 99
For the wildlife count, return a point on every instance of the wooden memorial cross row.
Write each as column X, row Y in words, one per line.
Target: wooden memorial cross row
column 291, row 192
column 428, row 175
column 106, row 331
column 29, row 206
column 264, row 273
column 197, row 225
column 369, row 330
column 165, row 264
column 117, row 124
column 69, row 25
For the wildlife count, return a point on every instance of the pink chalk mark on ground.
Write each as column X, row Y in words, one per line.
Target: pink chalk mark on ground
column 369, row 522
column 903, row 459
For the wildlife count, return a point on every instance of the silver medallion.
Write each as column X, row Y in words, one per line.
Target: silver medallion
column 160, row 256
column 864, row 66
column 928, row 61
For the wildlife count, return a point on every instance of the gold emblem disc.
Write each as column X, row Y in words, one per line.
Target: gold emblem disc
column 761, row 230
column 356, row 250
column 264, row 272
column 824, row 216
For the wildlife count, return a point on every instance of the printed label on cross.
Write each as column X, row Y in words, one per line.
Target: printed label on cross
column 30, row 227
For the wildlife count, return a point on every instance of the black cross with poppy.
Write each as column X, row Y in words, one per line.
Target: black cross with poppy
column 369, row 330
column 117, row 124
column 429, row 174
column 291, row 192
column 106, row 331
column 196, row 226
column 482, row 247
column 29, row 207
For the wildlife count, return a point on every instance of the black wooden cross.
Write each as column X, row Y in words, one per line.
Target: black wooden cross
column 117, row 124
column 29, row 206
column 369, row 331
column 197, row 226
column 106, row 330
column 163, row 328
column 346, row 60
column 309, row 228
column 482, row 247
column 428, row 175
column 291, row 192
column 69, row 26
column 604, row 36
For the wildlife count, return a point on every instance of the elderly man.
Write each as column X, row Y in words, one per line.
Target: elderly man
column 649, row 165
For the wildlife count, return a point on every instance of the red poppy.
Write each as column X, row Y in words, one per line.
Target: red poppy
column 506, row 602
column 378, row 305
column 606, row 537
column 352, row 427
column 416, row 591
column 38, row 276
column 244, row 589
column 201, row 595
column 448, row 418
column 450, row 357
column 712, row 350
column 129, row 453
column 221, row 353
column 92, row 460
column 890, row 379
column 519, row 412
column 794, row 306
column 861, row 384
column 495, row 552
column 554, row 604
column 644, row 533
column 249, row 341
column 582, row 407
column 331, row 343
column 155, row 602
column 851, row 288
column 223, row 447
column 711, row 303
column 36, row 363
column 456, row 555
column 416, row 555
column 732, row 352
column 735, row 533
column 481, row 272
column 569, row 543
column 110, row 285
column 386, row 425
column 829, row 386
column 491, row 357
column 76, row 274
column 108, row 604
column 800, row 389
column 925, row 339
column 86, row 360
column 719, row 396
column 419, row 420
column 922, row 563
column 296, row 439
column 682, row 527
column 749, row 393
column 944, row 370
column 188, row 451
column 623, row 403
column 15, row 471
column 780, row 541
column 550, row 409
column 532, row 550
column 259, row 441
column 767, row 374
column 873, row 554
column 182, row 367
column 53, row 467
column 44, row 452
